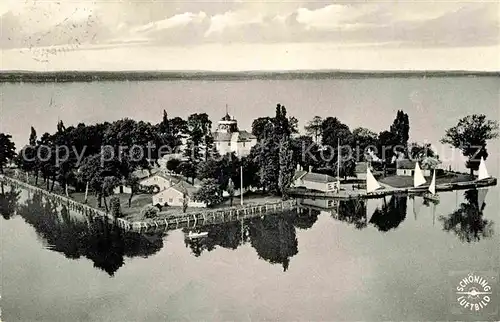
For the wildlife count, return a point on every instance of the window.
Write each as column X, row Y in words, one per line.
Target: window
column 160, row 200
column 170, row 200
column 243, row 144
column 180, row 200
column 228, row 143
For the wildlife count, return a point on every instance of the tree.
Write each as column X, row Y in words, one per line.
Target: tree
column 132, row 182
column 32, row 140
column 334, row 130
column 185, row 202
column 306, row 152
column 114, row 205
column 470, row 135
column 188, row 170
column 467, row 222
column 401, row 128
column 209, row 193
column 199, row 126
column 386, row 144
column 230, row 190
column 259, row 125
column 286, row 167
column 173, row 165
column 7, row 150
column 419, row 152
column 364, row 140
column 314, row 127
column 108, row 185
column 149, row 212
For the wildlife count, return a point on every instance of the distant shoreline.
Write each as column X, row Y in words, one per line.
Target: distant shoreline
column 91, row 76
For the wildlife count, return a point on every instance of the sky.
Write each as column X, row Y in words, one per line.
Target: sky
column 249, row 35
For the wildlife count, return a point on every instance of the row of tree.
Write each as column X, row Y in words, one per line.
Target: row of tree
column 74, row 156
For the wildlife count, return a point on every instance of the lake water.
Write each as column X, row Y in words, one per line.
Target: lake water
column 399, row 263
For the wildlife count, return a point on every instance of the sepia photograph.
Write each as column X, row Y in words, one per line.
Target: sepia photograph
column 249, row 160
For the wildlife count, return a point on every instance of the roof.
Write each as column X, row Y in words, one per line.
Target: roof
column 299, row 174
column 244, row 135
column 237, row 136
column 226, row 117
column 143, row 174
column 313, row 177
column 162, row 175
column 361, row 167
column 221, row 136
column 185, row 187
column 405, row 164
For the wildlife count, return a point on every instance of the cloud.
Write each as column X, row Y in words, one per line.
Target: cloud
column 88, row 23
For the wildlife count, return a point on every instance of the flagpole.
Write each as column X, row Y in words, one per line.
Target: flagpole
column 338, row 164
column 241, row 185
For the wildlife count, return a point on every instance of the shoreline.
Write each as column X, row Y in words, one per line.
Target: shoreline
column 19, row 76
column 206, row 217
column 361, row 194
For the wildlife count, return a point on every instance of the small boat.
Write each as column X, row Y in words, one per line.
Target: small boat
column 371, row 183
column 431, row 194
column 197, row 235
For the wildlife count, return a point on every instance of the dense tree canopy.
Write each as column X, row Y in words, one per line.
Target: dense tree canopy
column 470, row 135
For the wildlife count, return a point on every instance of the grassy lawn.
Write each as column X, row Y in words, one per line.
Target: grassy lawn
column 132, row 212
column 407, row 181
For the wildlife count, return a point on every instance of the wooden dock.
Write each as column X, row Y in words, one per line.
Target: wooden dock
column 191, row 220
column 362, row 194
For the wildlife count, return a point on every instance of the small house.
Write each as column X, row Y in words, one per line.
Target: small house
column 122, row 189
column 406, row 167
column 174, row 196
column 360, row 170
column 314, row 181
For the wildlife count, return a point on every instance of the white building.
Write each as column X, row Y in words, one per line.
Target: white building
column 228, row 138
column 174, row 196
column 406, row 167
column 314, row 181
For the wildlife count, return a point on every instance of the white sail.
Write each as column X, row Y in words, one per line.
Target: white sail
column 483, row 173
column 481, row 196
column 418, row 178
column 371, row 183
column 432, row 186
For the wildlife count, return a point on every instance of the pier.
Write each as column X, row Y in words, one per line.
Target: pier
column 386, row 191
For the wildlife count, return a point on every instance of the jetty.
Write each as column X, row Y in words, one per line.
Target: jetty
column 387, row 190
column 180, row 220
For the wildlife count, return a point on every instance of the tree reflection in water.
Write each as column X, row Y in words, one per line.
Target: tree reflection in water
column 102, row 243
column 8, row 201
column 352, row 211
column 467, row 222
column 273, row 236
column 391, row 214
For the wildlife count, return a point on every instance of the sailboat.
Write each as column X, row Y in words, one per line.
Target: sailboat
column 483, row 173
column 431, row 195
column 418, row 177
column 371, row 183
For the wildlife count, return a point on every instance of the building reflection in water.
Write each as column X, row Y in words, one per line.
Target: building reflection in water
column 273, row 237
column 79, row 236
column 467, row 221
